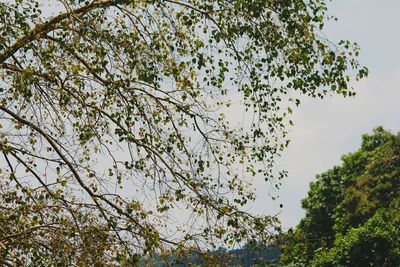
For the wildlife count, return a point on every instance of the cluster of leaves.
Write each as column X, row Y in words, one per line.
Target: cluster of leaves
column 352, row 211
column 113, row 126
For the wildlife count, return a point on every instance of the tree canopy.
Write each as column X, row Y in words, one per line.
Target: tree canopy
column 352, row 211
column 115, row 133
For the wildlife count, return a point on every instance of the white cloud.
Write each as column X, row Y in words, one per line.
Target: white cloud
column 326, row 129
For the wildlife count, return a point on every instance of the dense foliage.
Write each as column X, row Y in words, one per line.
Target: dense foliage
column 115, row 131
column 352, row 211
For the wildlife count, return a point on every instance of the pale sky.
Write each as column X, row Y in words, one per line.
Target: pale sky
column 326, row 129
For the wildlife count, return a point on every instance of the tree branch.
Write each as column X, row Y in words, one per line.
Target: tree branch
column 52, row 24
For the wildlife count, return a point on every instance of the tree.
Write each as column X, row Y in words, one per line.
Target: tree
column 352, row 216
column 113, row 120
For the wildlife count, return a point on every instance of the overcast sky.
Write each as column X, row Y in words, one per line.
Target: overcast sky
column 326, row 129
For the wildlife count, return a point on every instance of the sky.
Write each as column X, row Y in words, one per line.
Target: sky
column 326, row 129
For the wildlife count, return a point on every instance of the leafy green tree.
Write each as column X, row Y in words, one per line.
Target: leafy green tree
column 352, row 211
column 114, row 136
column 374, row 243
